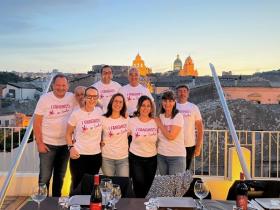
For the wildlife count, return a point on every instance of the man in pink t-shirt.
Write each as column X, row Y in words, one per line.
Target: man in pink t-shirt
column 133, row 91
column 106, row 87
column 192, row 122
column 51, row 114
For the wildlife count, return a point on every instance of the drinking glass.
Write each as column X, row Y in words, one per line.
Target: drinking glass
column 63, row 202
column 39, row 193
column 115, row 195
column 201, row 190
column 106, row 190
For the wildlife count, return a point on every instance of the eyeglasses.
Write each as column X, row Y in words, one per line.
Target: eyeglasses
column 91, row 97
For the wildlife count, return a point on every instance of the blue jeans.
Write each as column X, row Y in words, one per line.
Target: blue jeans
column 54, row 162
column 170, row 165
column 111, row 167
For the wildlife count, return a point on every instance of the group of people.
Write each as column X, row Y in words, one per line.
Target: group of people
column 115, row 129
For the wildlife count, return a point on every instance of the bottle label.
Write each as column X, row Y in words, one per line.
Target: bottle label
column 95, row 206
column 242, row 201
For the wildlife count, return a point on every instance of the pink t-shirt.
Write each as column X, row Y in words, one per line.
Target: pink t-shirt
column 191, row 114
column 132, row 94
column 106, row 91
column 174, row 147
column 55, row 112
column 144, row 137
column 115, row 138
column 87, row 130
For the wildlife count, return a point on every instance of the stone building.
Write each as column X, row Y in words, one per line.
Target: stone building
column 139, row 63
column 177, row 65
column 188, row 69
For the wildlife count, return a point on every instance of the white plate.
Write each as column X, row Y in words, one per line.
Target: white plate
column 80, row 200
column 269, row 203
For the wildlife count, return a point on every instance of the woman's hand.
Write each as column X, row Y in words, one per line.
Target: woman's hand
column 74, row 153
column 158, row 122
column 102, row 144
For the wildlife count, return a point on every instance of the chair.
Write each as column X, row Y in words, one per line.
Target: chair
column 170, row 185
column 86, row 184
column 190, row 192
column 257, row 189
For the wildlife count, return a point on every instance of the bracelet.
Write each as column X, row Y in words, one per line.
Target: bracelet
column 69, row 147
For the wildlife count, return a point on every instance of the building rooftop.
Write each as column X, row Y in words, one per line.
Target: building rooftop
column 24, row 85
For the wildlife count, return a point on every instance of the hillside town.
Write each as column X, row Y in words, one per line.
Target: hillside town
column 251, row 98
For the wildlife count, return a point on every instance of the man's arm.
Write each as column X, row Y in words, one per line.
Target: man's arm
column 37, row 127
column 199, row 141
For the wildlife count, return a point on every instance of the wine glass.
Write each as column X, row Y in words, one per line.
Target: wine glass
column 63, row 202
column 106, row 190
column 39, row 193
column 201, row 190
column 115, row 195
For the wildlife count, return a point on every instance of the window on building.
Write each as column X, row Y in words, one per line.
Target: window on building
column 6, row 123
column 256, row 102
column 12, row 93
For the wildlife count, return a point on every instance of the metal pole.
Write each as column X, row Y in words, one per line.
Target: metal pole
column 19, row 154
column 230, row 123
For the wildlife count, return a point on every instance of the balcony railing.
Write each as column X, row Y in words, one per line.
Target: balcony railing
column 213, row 161
column 10, row 138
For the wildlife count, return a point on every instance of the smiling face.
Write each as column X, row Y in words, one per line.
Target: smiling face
column 146, row 108
column 91, row 97
column 168, row 105
column 60, row 87
column 106, row 75
column 182, row 94
column 117, row 104
column 79, row 95
column 133, row 78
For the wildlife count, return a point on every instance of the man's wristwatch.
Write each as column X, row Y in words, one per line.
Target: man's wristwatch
column 69, row 147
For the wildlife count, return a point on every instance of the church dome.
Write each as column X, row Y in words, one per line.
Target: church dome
column 177, row 65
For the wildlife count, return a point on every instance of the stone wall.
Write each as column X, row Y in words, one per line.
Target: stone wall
column 203, row 93
column 245, row 115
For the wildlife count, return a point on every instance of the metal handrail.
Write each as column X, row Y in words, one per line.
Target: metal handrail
column 20, row 152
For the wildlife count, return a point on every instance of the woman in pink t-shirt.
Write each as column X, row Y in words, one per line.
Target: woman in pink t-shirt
column 114, row 138
column 143, row 150
column 171, row 147
column 84, row 145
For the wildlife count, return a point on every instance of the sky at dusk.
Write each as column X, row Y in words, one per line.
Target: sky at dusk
column 72, row 35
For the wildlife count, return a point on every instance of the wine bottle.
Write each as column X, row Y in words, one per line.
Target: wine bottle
column 242, row 193
column 96, row 197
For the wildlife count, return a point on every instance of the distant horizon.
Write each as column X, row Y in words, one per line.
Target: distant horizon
column 238, row 36
column 63, row 71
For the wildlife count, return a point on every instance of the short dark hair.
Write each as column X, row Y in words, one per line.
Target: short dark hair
column 59, row 76
column 105, row 66
column 110, row 106
column 182, row 86
column 139, row 104
column 90, row 88
column 169, row 95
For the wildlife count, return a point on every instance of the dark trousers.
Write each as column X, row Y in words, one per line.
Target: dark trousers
column 54, row 162
column 189, row 156
column 142, row 171
column 85, row 164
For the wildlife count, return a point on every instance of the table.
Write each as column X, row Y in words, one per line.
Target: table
column 51, row 203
